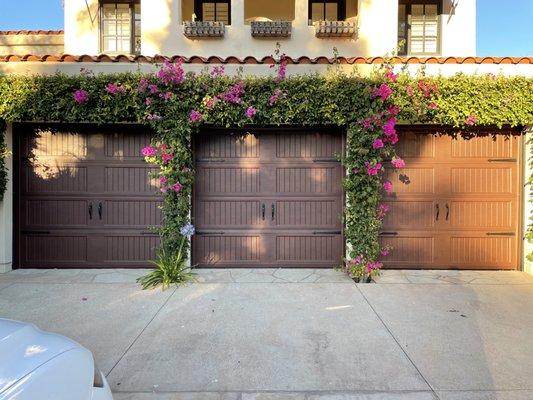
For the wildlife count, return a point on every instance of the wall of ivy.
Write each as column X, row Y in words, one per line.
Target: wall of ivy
column 176, row 105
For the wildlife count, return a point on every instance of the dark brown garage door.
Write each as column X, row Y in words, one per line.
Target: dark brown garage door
column 458, row 205
column 85, row 198
column 268, row 199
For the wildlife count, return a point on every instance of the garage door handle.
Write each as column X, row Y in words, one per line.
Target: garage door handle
column 500, row 233
column 100, row 209
column 325, row 160
column 502, row 159
column 90, row 209
column 447, row 211
column 389, row 233
column 35, row 232
column 263, row 209
column 327, row 232
column 273, row 211
column 438, row 212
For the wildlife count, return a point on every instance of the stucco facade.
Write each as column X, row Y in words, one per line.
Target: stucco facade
column 162, row 32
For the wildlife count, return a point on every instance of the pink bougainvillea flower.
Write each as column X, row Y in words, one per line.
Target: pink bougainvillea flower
column 177, row 187
column 172, row 73
column 383, row 209
column 377, row 144
column 250, row 112
column 409, row 90
column 471, row 120
column 143, row 85
column 425, row 89
column 233, row 94
column 433, row 105
column 388, row 127
column 393, row 110
column 153, row 89
column 282, row 71
column 391, row 75
column 387, row 186
column 274, row 97
column 367, row 123
column 195, row 116
column 385, row 252
column 383, row 92
column 217, row 71
column 163, row 183
column 166, row 157
column 81, row 96
column 372, row 265
column 114, row 89
column 393, row 139
column 373, row 169
column 149, row 151
column 166, row 96
column 148, row 101
column 154, row 117
column 398, row 163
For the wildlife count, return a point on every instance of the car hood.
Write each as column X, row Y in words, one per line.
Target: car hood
column 23, row 348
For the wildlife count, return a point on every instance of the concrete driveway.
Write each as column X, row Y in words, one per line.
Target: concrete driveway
column 292, row 334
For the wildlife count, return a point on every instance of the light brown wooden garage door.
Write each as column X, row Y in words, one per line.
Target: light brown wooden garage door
column 268, row 198
column 85, row 198
column 456, row 204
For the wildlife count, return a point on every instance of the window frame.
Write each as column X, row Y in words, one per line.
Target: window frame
column 408, row 15
column 341, row 9
column 199, row 4
column 132, row 4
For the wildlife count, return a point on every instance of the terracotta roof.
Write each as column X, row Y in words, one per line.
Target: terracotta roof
column 103, row 58
column 39, row 32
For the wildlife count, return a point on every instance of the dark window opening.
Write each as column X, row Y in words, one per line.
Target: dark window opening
column 213, row 10
column 327, row 10
column 418, row 27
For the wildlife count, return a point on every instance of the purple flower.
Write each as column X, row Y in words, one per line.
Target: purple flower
column 274, row 97
column 187, row 230
column 195, row 116
column 250, row 112
column 166, row 96
column 143, row 85
column 153, row 89
column 171, row 73
column 166, row 157
column 471, row 120
column 373, row 169
column 114, row 89
column 149, row 151
column 377, row 144
column 387, row 186
column 282, row 71
column 233, row 94
column 217, row 71
column 163, row 183
column 177, row 187
column 81, row 96
column 398, row 163
column 388, row 127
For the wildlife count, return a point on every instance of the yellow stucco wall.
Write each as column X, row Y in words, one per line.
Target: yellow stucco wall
column 40, row 44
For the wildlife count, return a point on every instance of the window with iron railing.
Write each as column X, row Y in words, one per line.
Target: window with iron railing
column 418, row 27
column 120, row 27
column 213, row 10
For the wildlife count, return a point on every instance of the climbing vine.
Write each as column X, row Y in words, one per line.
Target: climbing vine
column 175, row 105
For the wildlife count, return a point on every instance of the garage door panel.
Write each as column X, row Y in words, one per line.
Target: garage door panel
column 228, row 213
column 325, row 213
column 499, row 146
column 54, row 249
column 54, row 214
column 125, row 146
column 479, row 214
column 309, row 248
column 131, row 213
column 483, row 180
column 413, row 250
column 228, row 180
column 416, row 146
column 230, row 146
column 309, row 180
column 312, row 145
column 46, row 178
column 130, row 179
column 411, row 215
column 479, row 250
column 49, row 143
column 130, row 249
column 413, row 180
column 212, row 250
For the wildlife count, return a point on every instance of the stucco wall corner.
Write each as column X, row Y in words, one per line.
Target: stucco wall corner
column 527, row 205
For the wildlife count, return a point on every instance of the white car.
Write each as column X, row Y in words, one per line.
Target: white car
column 37, row 365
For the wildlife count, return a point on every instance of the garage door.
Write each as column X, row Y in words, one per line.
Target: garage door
column 456, row 204
column 268, row 199
column 85, row 198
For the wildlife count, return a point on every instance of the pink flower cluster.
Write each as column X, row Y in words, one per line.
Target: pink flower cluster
column 217, row 71
column 373, row 169
column 398, row 163
column 390, row 75
column 81, row 96
column 233, row 94
column 282, row 71
column 149, row 151
column 383, row 209
column 114, row 89
column 427, row 89
column 164, row 187
column 387, row 186
column 171, row 73
column 471, row 120
column 383, row 92
column 195, row 116
column 250, row 112
column 273, row 99
column 373, row 265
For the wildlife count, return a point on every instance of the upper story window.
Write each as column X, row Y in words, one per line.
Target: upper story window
column 213, row 10
column 327, row 10
column 418, row 27
column 120, row 26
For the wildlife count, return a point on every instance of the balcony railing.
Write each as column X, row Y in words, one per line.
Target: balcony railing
column 335, row 29
column 201, row 29
column 271, row 28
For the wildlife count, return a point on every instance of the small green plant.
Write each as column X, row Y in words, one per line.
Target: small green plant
column 170, row 266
